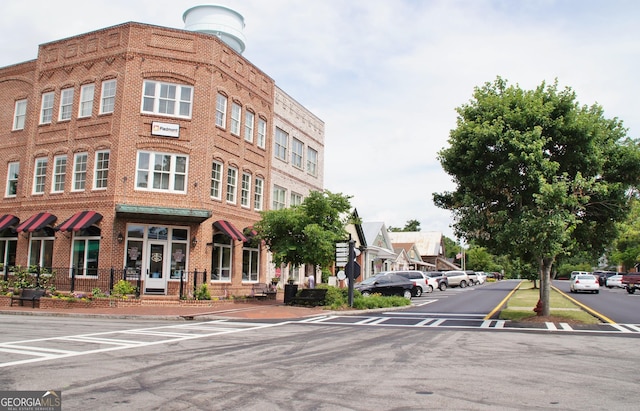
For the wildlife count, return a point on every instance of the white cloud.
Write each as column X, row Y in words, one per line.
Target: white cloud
column 387, row 75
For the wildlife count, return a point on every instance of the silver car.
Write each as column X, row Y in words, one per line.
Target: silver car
column 457, row 278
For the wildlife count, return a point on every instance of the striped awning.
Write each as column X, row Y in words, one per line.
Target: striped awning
column 37, row 222
column 8, row 220
column 249, row 232
column 80, row 221
column 230, row 230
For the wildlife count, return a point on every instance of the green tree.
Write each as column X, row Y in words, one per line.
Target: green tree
column 537, row 175
column 411, row 225
column 306, row 234
column 626, row 250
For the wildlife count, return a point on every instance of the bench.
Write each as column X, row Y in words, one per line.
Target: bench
column 310, row 296
column 262, row 291
column 28, row 294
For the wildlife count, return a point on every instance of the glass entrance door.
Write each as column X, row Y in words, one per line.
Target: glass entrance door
column 156, row 276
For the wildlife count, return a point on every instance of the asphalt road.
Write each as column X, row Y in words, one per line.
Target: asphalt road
column 155, row 365
column 616, row 304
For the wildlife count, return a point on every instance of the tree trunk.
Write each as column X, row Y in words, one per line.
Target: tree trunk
column 545, row 285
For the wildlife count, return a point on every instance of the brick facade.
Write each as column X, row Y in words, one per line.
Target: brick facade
column 131, row 54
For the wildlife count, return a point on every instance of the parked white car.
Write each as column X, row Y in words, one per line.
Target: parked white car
column 614, row 281
column 585, row 282
column 481, row 277
column 457, row 278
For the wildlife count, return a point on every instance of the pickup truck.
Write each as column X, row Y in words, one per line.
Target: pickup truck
column 631, row 281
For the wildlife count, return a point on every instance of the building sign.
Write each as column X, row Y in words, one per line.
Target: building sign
column 165, row 129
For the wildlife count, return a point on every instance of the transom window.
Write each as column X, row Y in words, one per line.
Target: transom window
column 168, row 99
column 296, row 152
column 161, row 172
column 281, row 145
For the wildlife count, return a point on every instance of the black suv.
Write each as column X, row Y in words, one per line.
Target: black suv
column 603, row 275
column 443, row 281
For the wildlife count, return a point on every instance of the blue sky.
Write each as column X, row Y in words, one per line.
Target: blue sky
column 386, row 75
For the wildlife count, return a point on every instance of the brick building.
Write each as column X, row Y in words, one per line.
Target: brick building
column 139, row 147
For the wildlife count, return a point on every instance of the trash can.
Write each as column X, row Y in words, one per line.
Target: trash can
column 290, row 291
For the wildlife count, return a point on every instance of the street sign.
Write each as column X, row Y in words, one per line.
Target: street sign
column 342, row 254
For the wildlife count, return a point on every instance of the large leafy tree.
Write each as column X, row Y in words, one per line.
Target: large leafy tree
column 306, row 234
column 411, row 225
column 537, row 174
column 627, row 246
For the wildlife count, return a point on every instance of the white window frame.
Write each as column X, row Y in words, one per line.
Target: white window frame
column 262, row 132
column 153, row 168
column 13, row 173
column 221, row 273
column 245, row 190
column 249, row 120
column 108, row 96
column 85, row 108
column 297, row 152
column 232, row 185
column 281, row 144
column 312, row 161
column 258, row 191
column 295, row 199
column 41, row 248
column 59, row 174
column 221, row 110
column 66, row 104
column 20, row 115
column 279, row 198
column 236, row 115
column 40, row 175
column 46, row 108
column 217, row 168
column 166, row 99
column 85, row 271
column 101, row 170
column 80, row 161
column 250, row 260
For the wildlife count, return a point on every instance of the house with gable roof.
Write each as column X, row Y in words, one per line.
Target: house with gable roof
column 430, row 246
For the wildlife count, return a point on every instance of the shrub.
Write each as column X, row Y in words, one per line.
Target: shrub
column 122, row 288
column 378, row 301
column 97, row 293
column 202, row 293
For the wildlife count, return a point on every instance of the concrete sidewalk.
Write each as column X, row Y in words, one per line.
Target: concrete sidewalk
column 261, row 310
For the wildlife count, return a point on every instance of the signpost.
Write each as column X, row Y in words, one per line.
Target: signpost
column 345, row 258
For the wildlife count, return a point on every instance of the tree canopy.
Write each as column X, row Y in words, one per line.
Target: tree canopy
column 306, row 234
column 537, row 174
column 411, row 225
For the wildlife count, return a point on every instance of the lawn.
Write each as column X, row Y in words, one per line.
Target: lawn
column 520, row 306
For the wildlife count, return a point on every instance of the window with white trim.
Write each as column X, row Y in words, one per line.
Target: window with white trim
column 262, row 133
column 86, row 252
column 46, row 110
column 279, row 196
column 221, row 258
column 167, row 99
column 79, row 171
column 86, row 100
column 101, row 175
column 312, row 161
column 281, row 144
column 41, row 248
column 221, row 110
column 161, row 172
column 249, row 118
column 232, row 184
column 296, row 199
column 257, row 193
column 245, row 190
column 297, row 149
column 66, row 104
column 236, row 113
column 12, row 179
column 250, row 263
column 108, row 96
column 20, row 114
column 40, row 175
column 59, row 174
column 216, row 180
